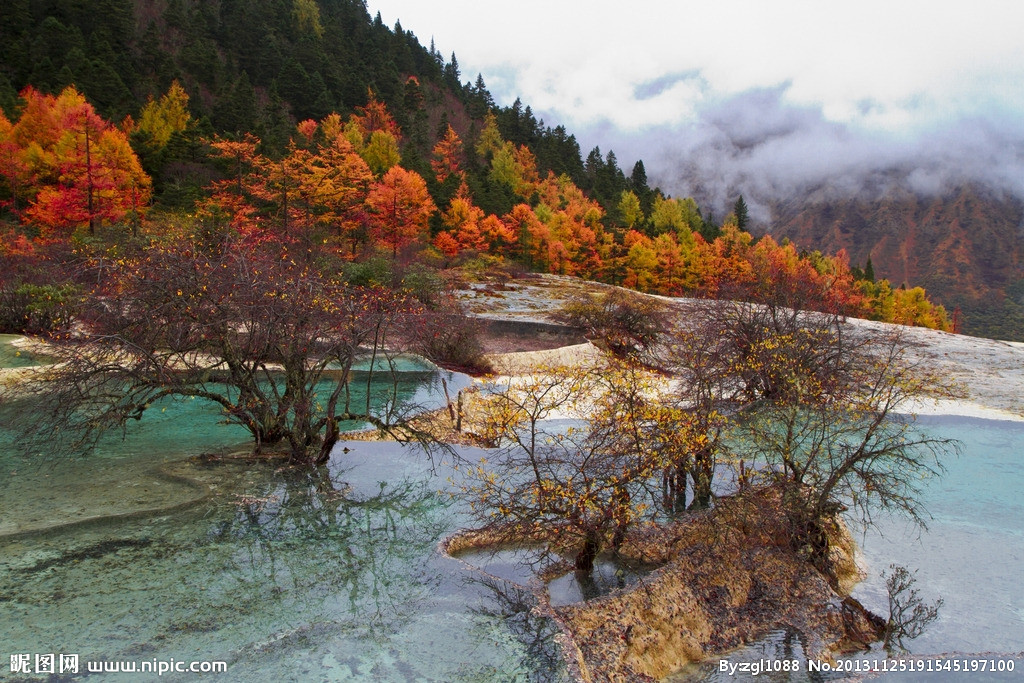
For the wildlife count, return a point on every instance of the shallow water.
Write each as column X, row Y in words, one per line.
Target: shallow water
column 520, row 566
column 138, row 554
column 13, row 357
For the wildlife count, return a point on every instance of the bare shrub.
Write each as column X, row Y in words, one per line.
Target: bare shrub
column 908, row 613
column 627, row 324
column 450, row 338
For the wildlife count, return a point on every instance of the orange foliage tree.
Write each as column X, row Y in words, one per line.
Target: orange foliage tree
column 399, row 206
column 462, row 219
column 76, row 169
column 231, row 203
column 316, row 192
column 447, row 156
column 334, row 184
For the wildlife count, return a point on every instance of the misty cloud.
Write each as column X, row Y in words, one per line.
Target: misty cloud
column 767, row 149
column 771, row 100
column 656, row 86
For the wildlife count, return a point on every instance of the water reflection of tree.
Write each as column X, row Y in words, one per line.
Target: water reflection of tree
column 785, row 645
column 513, row 606
column 306, row 538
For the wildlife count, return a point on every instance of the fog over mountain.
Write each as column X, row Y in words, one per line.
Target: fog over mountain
column 769, row 150
column 939, row 204
column 777, row 101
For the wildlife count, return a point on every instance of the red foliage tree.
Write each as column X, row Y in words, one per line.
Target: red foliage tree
column 375, row 116
column 447, row 156
column 400, row 207
column 83, row 171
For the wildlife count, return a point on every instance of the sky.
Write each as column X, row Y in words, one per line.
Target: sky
column 720, row 97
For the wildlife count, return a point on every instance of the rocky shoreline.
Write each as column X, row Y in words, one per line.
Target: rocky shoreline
column 724, row 577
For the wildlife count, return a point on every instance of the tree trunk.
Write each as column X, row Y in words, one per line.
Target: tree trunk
column 588, row 553
column 89, row 181
column 703, row 471
column 330, row 438
column 673, row 488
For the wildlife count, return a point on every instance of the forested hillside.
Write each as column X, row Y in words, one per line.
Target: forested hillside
column 255, row 67
column 311, row 128
column 965, row 247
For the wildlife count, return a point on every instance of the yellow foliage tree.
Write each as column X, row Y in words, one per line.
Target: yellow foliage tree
column 585, row 485
column 162, row 118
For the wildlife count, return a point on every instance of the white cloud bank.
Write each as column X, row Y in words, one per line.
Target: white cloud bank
column 755, row 94
column 759, row 145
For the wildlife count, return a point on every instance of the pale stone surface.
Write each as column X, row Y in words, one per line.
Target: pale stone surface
column 991, row 371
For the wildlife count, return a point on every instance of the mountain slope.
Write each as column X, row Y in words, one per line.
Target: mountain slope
column 315, row 56
column 965, row 247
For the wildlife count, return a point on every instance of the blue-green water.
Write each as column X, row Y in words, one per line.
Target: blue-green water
column 141, row 553
column 144, row 552
column 12, row 356
column 972, row 554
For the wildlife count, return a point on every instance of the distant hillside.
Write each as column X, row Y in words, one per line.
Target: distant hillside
column 262, row 66
column 966, row 248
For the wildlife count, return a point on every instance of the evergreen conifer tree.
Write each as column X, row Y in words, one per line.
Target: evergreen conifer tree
column 740, row 210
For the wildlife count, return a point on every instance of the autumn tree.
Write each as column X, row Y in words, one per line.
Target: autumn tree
column 912, row 307
column 315, row 192
column 447, row 157
column 723, row 266
column 701, row 359
column 374, row 116
column 675, row 276
column 667, row 215
column 811, row 403
column 531, row 245
column 462, row 221
column 399, row 206
column 268, row 340
column 829, row 434
column 232, row 197
column 515, row 168
column 375, row 135
column 161, row 118
column 640, row 261
column 381, row 151
column 334, row 184
column 306, row 14
column 490, row 141
column 580, row 488
column 84, row 173
column 630, row 213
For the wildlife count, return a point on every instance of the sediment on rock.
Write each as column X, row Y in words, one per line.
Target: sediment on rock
column 730, row 576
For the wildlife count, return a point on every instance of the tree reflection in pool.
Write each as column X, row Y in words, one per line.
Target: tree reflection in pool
column 283, row 574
